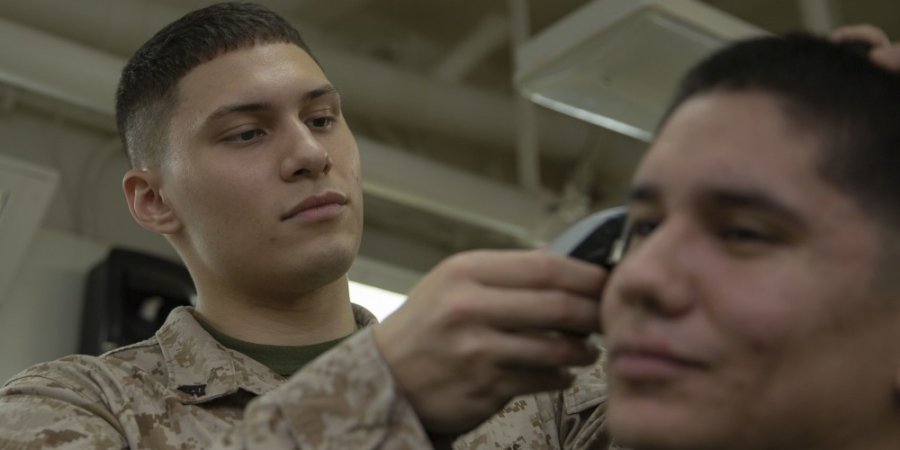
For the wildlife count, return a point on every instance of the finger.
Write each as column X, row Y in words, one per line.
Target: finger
column 888, row 58
column 489, row 351
column 861, row 32
column 520, row 309
column 543, row 351
column 531, row 270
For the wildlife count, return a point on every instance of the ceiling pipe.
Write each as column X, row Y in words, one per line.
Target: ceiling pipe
column 372, row 87
column 53, row 67
column 418, row 182
column 527, row 135
column 491, row 33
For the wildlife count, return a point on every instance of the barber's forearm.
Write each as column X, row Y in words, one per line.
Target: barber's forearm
column 344, row 399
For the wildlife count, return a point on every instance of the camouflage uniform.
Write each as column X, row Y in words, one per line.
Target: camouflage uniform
column 182, row 389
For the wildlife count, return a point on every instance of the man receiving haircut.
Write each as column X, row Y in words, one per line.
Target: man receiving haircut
column 758, row 303
column 243, row 160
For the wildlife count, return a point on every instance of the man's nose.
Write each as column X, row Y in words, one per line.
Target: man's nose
column 656, row 275
column 305, row 156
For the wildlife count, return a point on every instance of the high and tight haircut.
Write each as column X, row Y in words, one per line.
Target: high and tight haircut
column 829, row 89
column 147, row 91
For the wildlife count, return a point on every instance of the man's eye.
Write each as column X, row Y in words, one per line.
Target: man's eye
column 246, row 136
column 745, row 235
column 638, row 230
column 320, row 122
column 641, row 228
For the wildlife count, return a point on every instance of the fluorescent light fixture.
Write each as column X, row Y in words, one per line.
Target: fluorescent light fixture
column 614, row 63
column 379, row 301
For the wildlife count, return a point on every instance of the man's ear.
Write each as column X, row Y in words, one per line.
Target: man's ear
column 146, row 203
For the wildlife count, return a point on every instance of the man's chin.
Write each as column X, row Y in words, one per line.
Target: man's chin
column 327, row 267
column 643, row 424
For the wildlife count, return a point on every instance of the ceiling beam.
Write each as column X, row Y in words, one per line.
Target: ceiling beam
column 490, row 33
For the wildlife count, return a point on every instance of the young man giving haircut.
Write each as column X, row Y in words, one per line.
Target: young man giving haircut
column 243, row 160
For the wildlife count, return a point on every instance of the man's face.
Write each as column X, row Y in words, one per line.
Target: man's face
column 263, row 173
column 746, row 312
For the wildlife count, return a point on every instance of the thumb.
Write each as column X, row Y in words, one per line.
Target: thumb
column 887, row 57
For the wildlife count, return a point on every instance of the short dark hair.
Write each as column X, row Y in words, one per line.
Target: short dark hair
column 147, row 93
column 831, row 89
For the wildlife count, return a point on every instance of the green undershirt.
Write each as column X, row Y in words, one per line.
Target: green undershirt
column 282, row 359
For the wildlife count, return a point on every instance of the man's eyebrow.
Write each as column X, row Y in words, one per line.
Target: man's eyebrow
column 642, row 193
column 252, row 107
column 233, row 108
column 722, row 198
column 319, row 92
column 749, row 199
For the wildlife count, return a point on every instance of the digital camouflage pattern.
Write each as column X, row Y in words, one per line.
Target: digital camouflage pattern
column 573, row 419
column 181, row 389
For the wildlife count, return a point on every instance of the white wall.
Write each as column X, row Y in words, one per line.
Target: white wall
column 40, row 315
column 89, row 199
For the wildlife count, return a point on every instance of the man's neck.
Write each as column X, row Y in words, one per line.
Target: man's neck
column 318, row 316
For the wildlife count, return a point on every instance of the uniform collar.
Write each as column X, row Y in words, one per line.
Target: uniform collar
column 589, row 388
column 201, row 369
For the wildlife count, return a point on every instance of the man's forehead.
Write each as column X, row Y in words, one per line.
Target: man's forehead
column 259, row 74
column 736, row 142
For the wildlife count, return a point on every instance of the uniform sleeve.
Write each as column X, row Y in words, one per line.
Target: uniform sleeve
column 526, row 422
column 573, row 419
column 42, row 413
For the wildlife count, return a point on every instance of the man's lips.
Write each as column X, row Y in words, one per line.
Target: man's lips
column 317, row 204
column 649, row 361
